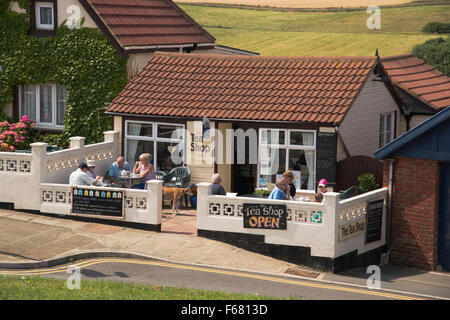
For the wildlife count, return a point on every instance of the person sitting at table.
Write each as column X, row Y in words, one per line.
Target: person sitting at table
column 91, row 168
column 115, row 172
column 216, row 188
column 145, row 169
column 80, row 177
column 279, row 192
column 289, row 178
column 321, row 189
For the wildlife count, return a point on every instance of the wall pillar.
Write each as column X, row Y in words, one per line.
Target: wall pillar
column 203, row 191
column 38, row 171
column 330, row 218
column 154, row 201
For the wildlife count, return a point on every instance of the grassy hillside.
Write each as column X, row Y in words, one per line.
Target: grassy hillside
column 317, row 33
column 300, row 3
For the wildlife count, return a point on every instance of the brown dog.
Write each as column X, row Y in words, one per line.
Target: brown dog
column 174, row 194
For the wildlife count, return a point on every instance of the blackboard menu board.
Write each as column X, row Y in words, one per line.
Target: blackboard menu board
column 99, row 203
column 326, row 156
column 374, row 221
column 264, row 216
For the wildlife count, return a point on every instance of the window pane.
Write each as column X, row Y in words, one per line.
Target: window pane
column 139, row 129
column 28, row 101
column 302, row 163
column 46, row 15
column 272, row 161
column 168, row 156
column 45, row 107
column 170, row 132
column 388, row 136
column 388, row 122
column 301, row 138
column 137, row 147
column 60, row 104
column 272, row 137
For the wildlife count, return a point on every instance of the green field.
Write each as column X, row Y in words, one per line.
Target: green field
column 278, row 32
column 39, row 288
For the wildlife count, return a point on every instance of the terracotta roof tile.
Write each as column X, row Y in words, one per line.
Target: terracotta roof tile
column 246, row 87
column 149, row 23
column 419, row 79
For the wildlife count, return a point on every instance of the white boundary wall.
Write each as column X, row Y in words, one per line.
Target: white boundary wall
column 39, row 181
column 309, row 224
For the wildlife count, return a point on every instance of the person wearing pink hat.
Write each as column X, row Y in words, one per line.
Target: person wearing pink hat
column 321, row 189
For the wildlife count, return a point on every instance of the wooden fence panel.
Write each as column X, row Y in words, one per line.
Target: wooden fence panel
column 348, row 171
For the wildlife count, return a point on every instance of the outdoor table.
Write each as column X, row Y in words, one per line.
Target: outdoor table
column 132, row 179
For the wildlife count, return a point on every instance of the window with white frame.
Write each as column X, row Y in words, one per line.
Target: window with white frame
column 387, row 128
column 164, row 141
column 284, row 149
column 43, row 103
column 44, row 16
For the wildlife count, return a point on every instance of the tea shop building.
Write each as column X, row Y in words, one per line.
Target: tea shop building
column 310, row 111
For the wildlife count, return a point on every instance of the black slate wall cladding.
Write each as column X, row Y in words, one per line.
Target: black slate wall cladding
column 295, row 254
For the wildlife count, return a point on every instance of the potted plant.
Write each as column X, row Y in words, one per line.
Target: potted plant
column 262, row 193
column 367, row 182
column 192, row 192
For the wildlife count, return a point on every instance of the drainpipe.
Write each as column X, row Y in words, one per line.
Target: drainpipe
column 385, row 258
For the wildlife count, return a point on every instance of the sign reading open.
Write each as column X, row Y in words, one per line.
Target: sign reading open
column 264, row 216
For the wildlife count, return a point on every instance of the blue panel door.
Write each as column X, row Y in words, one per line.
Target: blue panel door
column 444, row 216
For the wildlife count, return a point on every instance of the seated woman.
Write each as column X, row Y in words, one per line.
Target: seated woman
column 145, row 169
column 289, row 178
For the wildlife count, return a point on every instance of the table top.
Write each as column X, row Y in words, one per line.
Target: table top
column 132, row 176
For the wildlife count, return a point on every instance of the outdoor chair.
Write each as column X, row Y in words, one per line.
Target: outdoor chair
column 160, row 175
column 350, row 192
column 182, row 177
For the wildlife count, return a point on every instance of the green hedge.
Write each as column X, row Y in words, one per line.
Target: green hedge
column 80, row 59
column 437, row 27
column 435, row 52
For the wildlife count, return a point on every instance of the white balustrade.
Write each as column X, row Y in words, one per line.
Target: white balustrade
column 142, row 206
column 309, row 224
column 21, row 174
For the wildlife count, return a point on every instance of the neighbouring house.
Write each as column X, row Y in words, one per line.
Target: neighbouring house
column 135, row 29
column 417, row 171
column 294, row 113
column 422, row 90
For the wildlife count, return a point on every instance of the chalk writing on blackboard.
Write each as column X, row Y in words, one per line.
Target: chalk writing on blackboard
column 101, row 203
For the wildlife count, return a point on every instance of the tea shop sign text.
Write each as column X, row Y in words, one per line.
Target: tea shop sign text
column 264, row 216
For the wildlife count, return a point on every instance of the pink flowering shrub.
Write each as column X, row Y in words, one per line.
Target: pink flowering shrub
column 19, row 135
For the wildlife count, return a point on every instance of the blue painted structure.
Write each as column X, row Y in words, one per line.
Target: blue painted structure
column 430, row 140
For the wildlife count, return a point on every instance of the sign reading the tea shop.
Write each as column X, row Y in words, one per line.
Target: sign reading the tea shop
column 351, row 229
column 98, row 203
column 264, row 216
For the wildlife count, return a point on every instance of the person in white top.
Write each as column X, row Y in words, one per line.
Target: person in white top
column 80, row 177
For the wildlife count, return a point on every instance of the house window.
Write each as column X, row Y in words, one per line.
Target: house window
column 387, row 128
column 44, row 16
column 281, row 150
column 165, row 142
column 44, row 103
